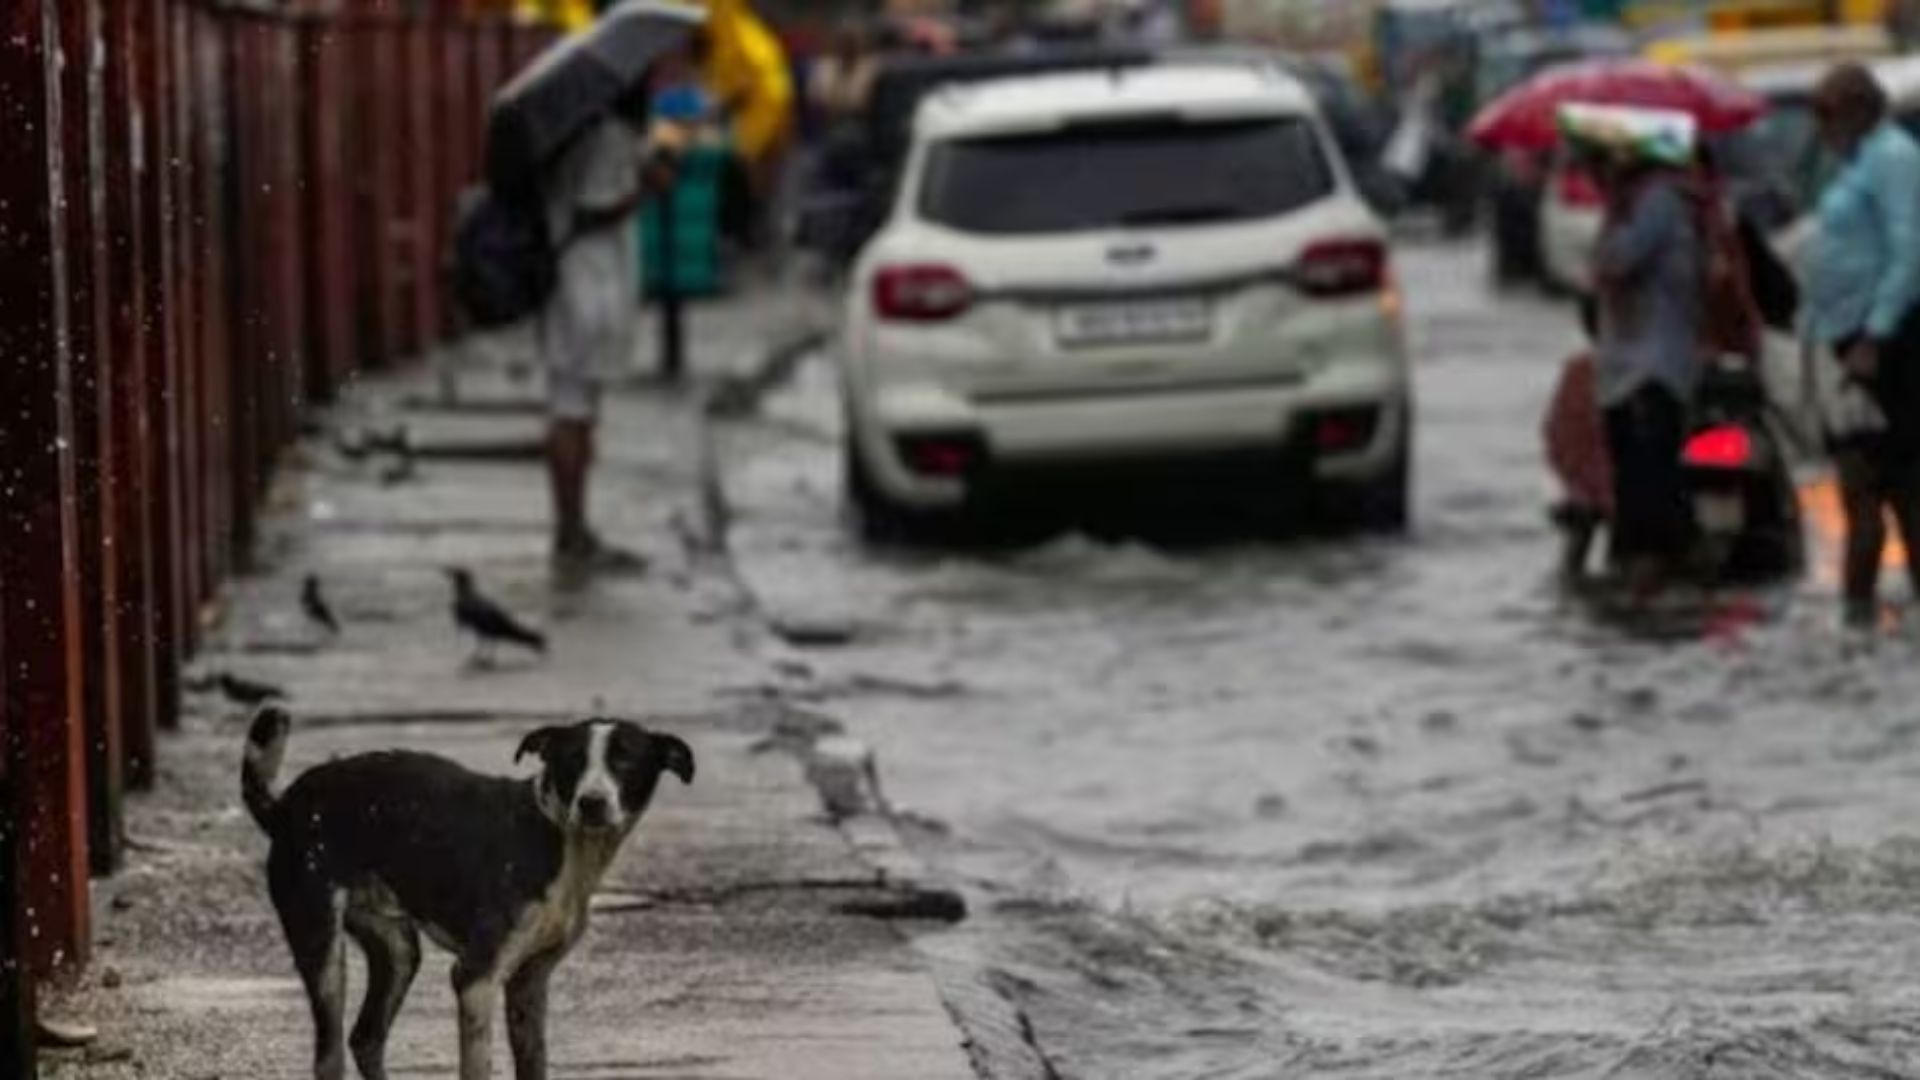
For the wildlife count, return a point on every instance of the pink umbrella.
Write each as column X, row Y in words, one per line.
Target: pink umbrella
column 1526, row 117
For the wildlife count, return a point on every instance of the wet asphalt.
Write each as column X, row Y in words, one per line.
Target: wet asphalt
column 1362, row 807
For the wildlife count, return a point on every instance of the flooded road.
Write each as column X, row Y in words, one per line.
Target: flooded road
column 1370, row 808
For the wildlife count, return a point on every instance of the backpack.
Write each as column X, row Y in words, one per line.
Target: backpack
column 504, row 263
column 1731, row 320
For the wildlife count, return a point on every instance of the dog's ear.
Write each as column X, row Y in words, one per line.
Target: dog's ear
column 536, row 743
column 676, row 756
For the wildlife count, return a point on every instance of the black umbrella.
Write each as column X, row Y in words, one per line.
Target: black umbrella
column 571, row 85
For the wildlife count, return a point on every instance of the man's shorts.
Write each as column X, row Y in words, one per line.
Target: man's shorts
column 587, row 330
column 579, row 354
column 573, row 392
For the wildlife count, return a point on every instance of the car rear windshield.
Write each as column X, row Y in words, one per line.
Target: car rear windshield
column 1157, row 172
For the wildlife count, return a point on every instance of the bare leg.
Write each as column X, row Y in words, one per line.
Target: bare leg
column 1578, row 527
column 569, row 459
column 1903, row 492
column 1860, row 490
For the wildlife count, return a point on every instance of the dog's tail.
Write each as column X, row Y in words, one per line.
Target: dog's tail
column 266, row 749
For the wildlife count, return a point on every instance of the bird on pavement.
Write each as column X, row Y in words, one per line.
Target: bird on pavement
column 351, row 443
column 246, row 691
column 314, row 603
column 399, row 471
column 399, row 443
column 398, row 440
column 487, row 621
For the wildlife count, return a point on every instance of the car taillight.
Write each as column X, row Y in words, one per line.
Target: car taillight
column 1342, row 268
column 1728, row 446
column 920, row 292
column 1345, row 430
column 1577, row 188
column 947, row 456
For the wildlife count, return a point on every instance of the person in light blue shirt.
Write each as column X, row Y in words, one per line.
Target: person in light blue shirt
column 1866, row 256
column 1862, row 288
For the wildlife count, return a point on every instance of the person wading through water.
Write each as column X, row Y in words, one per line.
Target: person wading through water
column 1649, row 278
column 1861, row 304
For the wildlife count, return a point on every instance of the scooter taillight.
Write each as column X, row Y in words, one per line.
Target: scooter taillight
column 1727, row 446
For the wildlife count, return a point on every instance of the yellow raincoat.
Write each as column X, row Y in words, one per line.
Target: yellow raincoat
column 565, row 14
column 747, row 72
column 746, row 68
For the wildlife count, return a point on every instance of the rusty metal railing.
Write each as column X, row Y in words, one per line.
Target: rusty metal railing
column 211, row 215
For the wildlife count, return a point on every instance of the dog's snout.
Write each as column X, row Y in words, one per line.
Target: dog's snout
column 594, row 809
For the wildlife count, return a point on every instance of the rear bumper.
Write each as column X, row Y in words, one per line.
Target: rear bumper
column 978, row 442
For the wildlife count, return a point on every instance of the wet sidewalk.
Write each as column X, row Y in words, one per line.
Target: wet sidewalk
column 736, row 935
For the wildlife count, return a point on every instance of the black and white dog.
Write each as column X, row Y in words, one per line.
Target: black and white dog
column 382, row 847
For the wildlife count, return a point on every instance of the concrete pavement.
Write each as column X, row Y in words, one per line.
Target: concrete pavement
column 726, row 941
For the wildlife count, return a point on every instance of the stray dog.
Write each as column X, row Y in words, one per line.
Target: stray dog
column 382, row 847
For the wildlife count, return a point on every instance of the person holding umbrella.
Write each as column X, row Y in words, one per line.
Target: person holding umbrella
column 1649, row 274
column 589, row 327
column 1656, row 264
column 1862, row 290
column 572, row 130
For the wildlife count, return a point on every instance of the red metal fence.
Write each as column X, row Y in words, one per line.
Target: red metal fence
column 211, row 214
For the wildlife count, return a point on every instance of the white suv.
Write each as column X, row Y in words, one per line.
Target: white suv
column 1167, row 263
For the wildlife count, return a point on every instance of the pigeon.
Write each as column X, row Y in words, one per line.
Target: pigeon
column 350, row 443
column 247, row 692
column 315, row 604
column 398, row 441
column 400, row 470
column 489, row 622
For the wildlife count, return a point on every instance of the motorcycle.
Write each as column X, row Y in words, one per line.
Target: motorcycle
column 1745, row 508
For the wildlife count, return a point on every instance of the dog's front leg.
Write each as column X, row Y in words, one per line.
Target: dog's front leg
column 527, row 1016
column 478, row 994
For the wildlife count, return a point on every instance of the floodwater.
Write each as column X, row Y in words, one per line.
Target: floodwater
column 1371, row 808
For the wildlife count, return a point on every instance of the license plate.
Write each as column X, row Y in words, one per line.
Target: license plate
column 1133, row 322
column 1719, row 513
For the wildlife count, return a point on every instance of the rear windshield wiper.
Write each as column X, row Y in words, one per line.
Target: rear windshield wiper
column 1194, row 214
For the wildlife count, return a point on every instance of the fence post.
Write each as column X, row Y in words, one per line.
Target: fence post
column 158, row 276
column 16, row 981
column 130, row 624
column 381, row 89
column 17, row 1007
column 38, row 602
column 289, row 240
column 201, row 142
column 428, row 159
column 239, row 236
column 82, row 146
column 329, row 206
column 190, row 284
column 456, row 38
